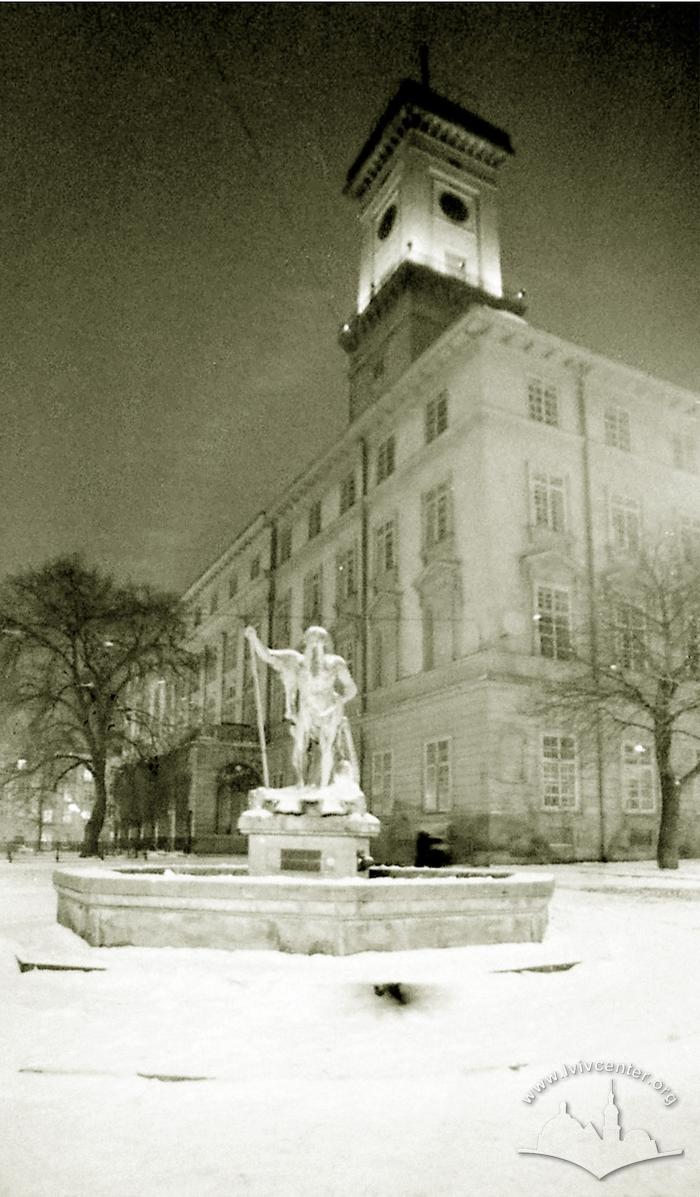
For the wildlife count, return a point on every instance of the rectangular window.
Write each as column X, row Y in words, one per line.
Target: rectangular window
column 685, row 454
column 209, row 666
column 386, row 459
column 437, row 780
column 233, row 586
column 213, row 602
column 347, row 649
column 345, row 575
column 377, row 660
column 548, row 504
column 617, row 428
column 385, row 548
column 283, row 621
column 625, row 524
column 553, row 618
column 637, row 778
column 314, row 519
column 630, row 636
column 313, row 598
column 230, row 651
column 255, row 568
column 428, row 622
column 382, row 782
column 437, row 515
column 435, row 417
column 284, row 545
column 247, row 683
column 559, row 771
column 347, row 493
column 196, row 617
column 543, row 402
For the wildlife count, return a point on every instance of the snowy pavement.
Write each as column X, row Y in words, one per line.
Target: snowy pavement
column 301, row 1080
column 642, row 877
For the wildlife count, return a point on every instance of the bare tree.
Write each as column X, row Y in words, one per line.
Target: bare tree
column 74, row 645
column 636, row 667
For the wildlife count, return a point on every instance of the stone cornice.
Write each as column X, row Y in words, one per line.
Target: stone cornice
column 416, row 106
column 415, row 275
column 546, row 346
column 229, row 557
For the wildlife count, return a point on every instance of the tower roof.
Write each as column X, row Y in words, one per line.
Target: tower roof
column 417, row 106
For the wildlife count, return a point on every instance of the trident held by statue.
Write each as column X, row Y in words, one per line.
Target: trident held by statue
column 259, row 713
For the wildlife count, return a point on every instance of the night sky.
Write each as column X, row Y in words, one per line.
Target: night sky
column 177, row 255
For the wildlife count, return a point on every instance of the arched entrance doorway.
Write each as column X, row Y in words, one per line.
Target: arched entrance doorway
column 232, row 786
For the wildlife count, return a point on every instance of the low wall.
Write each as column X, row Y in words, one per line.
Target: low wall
column 226, row 909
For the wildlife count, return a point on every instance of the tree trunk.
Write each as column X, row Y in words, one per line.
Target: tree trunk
column 93, row 827
column 39, row 821
column 667, row 848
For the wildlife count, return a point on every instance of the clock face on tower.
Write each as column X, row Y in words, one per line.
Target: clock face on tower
column 453, row 207
column 387, row 222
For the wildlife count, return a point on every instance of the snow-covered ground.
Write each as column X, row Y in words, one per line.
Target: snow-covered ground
column 303, row 1081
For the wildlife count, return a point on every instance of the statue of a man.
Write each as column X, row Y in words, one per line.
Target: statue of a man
column 317, row 685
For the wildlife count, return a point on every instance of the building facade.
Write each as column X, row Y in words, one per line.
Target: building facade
column 451, row 539
column 38, row 815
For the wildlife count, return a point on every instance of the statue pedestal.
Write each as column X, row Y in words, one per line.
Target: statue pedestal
column 306, row 845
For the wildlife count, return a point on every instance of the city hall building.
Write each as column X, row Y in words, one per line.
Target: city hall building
column 451, row 539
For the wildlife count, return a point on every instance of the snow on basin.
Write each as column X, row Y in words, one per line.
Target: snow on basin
column 225, row 908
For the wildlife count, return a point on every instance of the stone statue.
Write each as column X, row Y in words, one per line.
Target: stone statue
column 317, row 686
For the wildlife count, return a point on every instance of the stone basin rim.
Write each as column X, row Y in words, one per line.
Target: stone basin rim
column 376, row 873
column 222, row 881
column 308, row 915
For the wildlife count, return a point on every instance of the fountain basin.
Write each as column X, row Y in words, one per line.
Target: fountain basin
column 223, row 907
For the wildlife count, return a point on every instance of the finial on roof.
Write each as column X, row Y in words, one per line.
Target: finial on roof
column 423, row 57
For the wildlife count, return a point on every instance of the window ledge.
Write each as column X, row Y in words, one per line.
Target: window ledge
column 386, row 581
column 347, row 606
column 442, row 550
column 541, row 538
column 619, row 555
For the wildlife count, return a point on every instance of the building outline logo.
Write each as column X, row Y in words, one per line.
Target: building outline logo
column 565, row 1138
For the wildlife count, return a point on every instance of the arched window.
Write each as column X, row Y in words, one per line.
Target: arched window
column 233, row 784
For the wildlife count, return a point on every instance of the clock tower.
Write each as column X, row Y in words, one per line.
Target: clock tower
column 425, row 182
